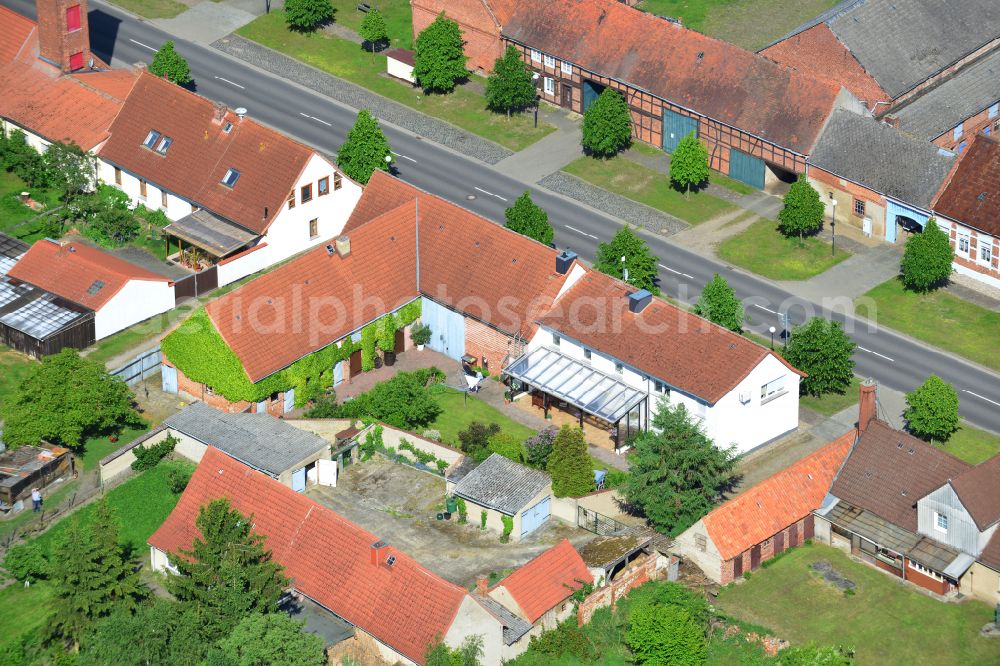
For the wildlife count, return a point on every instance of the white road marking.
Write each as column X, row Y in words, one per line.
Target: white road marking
column 992, row 402
column 403, row 156
column 145, row 46
column 690, row 277
column 581, row 232
column 232, row 83
column 765, row 309
column 306, row 115
column 876, row 354
column 491, row 194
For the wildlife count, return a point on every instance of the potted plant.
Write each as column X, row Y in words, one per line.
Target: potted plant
column 421, row 335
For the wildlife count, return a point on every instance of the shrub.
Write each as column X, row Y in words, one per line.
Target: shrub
column 178, row 479
column 537, row 449
column 660, row 593
column 305, row 15
column 475, row 440
column 403, row 401
column 508, row 527
column 324, row 408
column 463, row 511
column 420, row 334
column 566, row 640
column 149, row 457
column 373, row 442
column 508, row 446
column 26, row 562
column 482, row 519
column 665, row 635
column 746, row 575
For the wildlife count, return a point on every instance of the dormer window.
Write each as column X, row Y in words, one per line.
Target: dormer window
column 232, row 175
column 151, row 139
column 164, row 145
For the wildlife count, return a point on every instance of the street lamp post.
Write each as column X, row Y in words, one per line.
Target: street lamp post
column 388, row 162
column 771, row 330
column 535, row 77
column 833, row 225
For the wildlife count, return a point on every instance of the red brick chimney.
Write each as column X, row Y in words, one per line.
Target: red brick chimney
column 63, row 35
column 482, row 586
column 867, row 410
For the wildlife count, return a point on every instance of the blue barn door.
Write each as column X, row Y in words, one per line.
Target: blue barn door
column 289, row 400
column 591, row 91
column 532, row 518
column 168, row 378
column 675, row 128
column 746, row 169
column 299, row 480
column 447, row 329
column 338, row 373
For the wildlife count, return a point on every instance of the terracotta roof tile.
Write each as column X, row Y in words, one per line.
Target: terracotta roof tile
column 777, row 502
column 268, row 162
column 991, row 554
column 979, row 490
column 326, row 557
column 72, row 270
column 680, row 348
column 15, row 30
column 888, row 470
column 707, row 75
column 971, row 193
column 547, row 580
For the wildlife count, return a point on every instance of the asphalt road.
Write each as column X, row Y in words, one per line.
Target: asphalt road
column 894, row 360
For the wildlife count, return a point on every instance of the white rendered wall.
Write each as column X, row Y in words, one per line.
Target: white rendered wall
column 473, row 620
column 176, row 207
column 137, row 301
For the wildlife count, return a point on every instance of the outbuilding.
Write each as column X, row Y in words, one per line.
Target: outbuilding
column 501, row 487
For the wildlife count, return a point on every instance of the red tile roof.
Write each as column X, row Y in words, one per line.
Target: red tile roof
column 991, row 554
column 979, row 490
column 781, row 500
column 326, row 557
column 709, row 76
column 15, row 31
column 72, row 269
column 269, row 163
column 547, row 580
column 680, row 348
column 971, row 192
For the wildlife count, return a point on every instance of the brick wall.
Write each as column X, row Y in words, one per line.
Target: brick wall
column 56, row 42
column 970, row 127
column 845, row 193
column 640, row 571
column 482, row 340
column 766, row 550
column 976, row 239
column 479, row 28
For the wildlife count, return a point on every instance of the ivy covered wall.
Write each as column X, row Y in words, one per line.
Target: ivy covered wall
column 197, row 349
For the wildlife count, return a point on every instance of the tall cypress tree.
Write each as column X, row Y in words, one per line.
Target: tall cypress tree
column 569, row 465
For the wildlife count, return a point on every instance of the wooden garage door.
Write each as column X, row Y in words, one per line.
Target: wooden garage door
column 746, row 168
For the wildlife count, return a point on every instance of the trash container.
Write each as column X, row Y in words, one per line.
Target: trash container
column 452, row 504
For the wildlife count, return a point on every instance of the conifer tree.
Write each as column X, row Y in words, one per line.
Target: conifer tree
column 569, row 465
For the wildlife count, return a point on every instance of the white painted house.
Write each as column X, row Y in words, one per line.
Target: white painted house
column 239, row 195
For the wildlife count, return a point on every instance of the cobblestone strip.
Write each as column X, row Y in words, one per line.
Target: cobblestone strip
column 613, row 204
column 355, row 96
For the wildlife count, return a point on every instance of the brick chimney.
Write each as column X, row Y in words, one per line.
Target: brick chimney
column 63, row 35
column 482, row 586
column 867, row 410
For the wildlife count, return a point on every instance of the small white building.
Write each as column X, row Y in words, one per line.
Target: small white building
column 399, row 63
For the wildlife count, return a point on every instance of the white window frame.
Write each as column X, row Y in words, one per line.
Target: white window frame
column 566, row 68
column 985, row 255
column 956, row 133
column 994, row 110
column 938, row 521
column 536, row 55
column 549, row 61
column 772, row 389
column 963, row 239
column 550, row 85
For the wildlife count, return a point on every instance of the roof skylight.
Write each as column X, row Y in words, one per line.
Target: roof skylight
column 151, row 139
column 96, row 287
column 232, row 175
column 164, row 145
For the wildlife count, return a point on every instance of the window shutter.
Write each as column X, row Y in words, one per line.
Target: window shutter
column 73, row 19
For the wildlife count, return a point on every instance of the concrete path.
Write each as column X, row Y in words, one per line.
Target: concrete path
column 206, row 22
column 548, row 155
column 867, row 268
column 705, row 237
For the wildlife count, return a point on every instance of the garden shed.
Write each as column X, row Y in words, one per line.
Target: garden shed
column 28, row 467
column 501, row 487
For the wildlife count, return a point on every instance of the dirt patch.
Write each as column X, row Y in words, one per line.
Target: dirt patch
column 833, row 576
column 399, row 504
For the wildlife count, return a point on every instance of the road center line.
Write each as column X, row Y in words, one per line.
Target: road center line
column 766, row 309
column 668, row 268
column 403, row 156
column 321, row 121
column 876, row 354
column 489, row 193
column 992, row 402
column 578, row 231
column 232, row 83
column 145, row 46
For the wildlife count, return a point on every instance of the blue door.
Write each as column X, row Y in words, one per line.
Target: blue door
column 299, row 480
column 289, row 400
column 168, row 376
column 591, row 91
column 447, row 329
column 532, row 519
column 675, row 128
column 262, row 407
column 746, row 169
column 338, row 373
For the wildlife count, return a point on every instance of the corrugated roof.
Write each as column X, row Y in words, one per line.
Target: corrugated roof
column 881, row 158
column 502, row 484
column 326, row 557
column 547, row 580
column 971, row 194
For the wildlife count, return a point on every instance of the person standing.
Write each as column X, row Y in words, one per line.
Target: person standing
column 36, row 500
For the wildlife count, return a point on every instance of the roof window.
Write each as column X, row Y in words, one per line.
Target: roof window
column 96, row 287
column 164, row 145
column 151, row 139
column 232, row 175
column 227, row 128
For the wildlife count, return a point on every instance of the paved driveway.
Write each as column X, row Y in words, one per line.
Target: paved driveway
column 399, row 504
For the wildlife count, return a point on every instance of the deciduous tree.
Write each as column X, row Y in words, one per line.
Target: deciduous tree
column 802, row 213
column 168, row 63
column 469, row 653
column 509, row 87
column 162, row 632
column 570, row 465
column 927, row 259
column 508, row 446
column 65, row 399
column 665, row 635
column 475, row 439
column 26, row 562
column 932, row 410
column 607, row 125
column 639, row 261
column 365, row 150
column 227, row 573
column 373, row 30
column 262, row 640
column 439, row 61
column 718, row 304
column 306, row 15
column 537, row 449
column 528, row 219
column 689, row 163
column 676, row 473
column 71, row 169
column 821, row 349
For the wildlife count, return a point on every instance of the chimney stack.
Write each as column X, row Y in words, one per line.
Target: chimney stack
column 482, row 586
column 867, row 408
column 63, row 34
column 343, row 244
column 638, row 300
column 564, row 260
column 376, row 551
column 891, row 121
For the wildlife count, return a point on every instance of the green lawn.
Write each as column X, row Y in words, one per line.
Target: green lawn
column 152, row 8
column 642, row 184
column 96, row 448
column 972, row 444
column 751, row 24
column 764, row 251
column 463, row 108
column 24, row 610
column 886, row 622
column 14, row 367
column 14, row 214
column 714, row 177
column 130, row 338
column 939, row 318
column 397, row 15
column 457, row 415
column 831, row 403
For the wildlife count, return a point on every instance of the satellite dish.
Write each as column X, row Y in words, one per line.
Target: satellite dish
column 90, row 63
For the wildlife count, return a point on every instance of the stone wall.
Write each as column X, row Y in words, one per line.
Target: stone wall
column 640, row 571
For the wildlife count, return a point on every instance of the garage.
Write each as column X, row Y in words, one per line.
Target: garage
column 533, row 518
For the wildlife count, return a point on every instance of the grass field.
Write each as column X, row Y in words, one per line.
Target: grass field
column 152, row 8
column 972, row 444
column 714, row 177
column 751, row 24
column 648, row 187
column 463, row 108
column 939, row 318
column 831, row 403
column 397, row 15
column 886, row 622
column 457, row 415
column 764, row 251
column 14, row 214
column 130, row 338
column 14, row 367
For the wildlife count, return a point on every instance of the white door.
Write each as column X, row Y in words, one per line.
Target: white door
column 326, row 473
